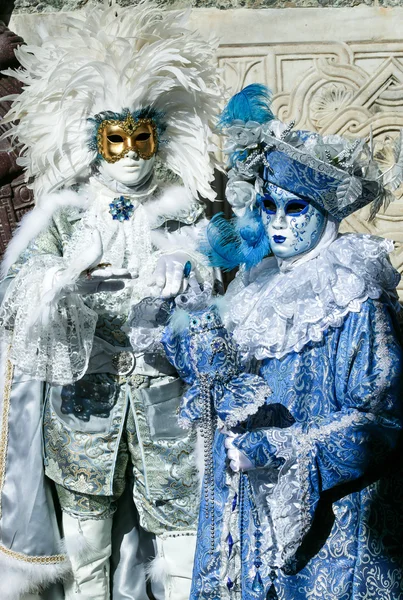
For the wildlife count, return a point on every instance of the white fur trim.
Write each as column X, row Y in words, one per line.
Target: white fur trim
column 36, row 221
column 157, row 570
column 19, row 577
column 174, row 202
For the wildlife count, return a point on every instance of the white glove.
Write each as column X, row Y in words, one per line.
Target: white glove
column 101, row 280
column 169, row 278
column 238, row 461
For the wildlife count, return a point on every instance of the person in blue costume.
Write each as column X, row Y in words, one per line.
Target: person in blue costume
column 314, row 506
column 221, row 393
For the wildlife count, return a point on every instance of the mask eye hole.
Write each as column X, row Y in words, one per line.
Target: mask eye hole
column 115, row 139
column 269, row 206
column 296, row 207
column 143, row 137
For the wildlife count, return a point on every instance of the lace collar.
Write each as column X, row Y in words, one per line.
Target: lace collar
column 279, row 310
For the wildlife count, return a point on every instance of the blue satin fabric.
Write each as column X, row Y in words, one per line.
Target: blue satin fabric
column 353, row 547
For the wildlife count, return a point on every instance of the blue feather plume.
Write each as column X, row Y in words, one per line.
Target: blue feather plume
column 241, row 240
column 250, row 104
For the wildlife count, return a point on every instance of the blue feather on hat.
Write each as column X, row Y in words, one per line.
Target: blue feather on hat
column 250, row 104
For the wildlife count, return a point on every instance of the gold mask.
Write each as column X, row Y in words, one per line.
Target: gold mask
column 116, row 138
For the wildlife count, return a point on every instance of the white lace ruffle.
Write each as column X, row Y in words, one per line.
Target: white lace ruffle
column 280, row 311
column 56, row 348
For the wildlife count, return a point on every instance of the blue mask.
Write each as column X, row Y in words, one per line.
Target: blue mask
column 293, row 225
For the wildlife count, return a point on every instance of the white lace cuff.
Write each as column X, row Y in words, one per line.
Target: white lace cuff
column 53, row 342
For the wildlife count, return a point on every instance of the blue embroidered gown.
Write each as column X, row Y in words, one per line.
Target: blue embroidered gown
column 328, row 482
column 344, row 396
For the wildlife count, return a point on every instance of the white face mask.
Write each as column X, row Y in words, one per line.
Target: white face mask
column 293, row 225
column 130, row 170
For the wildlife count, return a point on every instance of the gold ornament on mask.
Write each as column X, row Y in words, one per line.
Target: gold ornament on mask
column 116, row 138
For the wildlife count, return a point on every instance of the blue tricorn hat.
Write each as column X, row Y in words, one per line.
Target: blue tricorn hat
column 334, row 190
column 335, row 174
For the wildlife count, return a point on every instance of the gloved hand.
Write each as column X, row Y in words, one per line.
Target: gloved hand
column 169, row 279
column 58, row 282
column 238, row 461
column 82, row 274
column 101, row 280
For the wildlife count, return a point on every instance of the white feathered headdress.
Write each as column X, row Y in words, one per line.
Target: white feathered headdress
column 138, row 58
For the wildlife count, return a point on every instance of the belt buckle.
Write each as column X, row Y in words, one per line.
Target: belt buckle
column 124, row 362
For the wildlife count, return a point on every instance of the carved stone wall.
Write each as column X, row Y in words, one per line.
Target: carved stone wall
column 338, row 70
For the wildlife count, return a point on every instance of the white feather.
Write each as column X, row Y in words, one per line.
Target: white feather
column 110, row 60
column 174, row 203
column 157, row 570
column 179, row 320
column 221, row 303
column 79, row 546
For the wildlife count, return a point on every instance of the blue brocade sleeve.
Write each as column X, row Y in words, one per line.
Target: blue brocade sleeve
column 332, row 449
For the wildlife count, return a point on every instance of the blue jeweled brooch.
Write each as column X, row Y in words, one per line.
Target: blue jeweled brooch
column 121, row 209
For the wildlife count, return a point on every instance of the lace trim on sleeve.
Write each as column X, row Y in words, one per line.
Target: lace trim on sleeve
column 56, row 347
column 287, row 496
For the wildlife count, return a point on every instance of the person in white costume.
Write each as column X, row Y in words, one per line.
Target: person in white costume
column 85, row 415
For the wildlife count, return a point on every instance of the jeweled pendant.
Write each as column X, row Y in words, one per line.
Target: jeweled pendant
column 121, row 209
column 257, row 585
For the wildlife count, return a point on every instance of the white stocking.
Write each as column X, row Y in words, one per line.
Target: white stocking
column 175, row 559
column 88, row 544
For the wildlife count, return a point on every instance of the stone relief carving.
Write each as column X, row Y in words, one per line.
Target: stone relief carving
column 348, row 88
